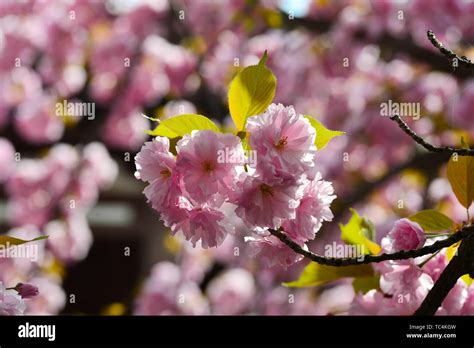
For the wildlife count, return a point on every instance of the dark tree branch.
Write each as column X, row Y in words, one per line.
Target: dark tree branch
column 461, row 264
column 400, row 255
column 419, row 140
column 461, row 60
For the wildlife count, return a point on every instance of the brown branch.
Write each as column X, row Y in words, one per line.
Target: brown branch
column 400, row 255
column 419, row 140
column 461, row 264
column 463, row 61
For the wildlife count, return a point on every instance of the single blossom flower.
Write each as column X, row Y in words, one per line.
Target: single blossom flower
column 284, row 141
column 204, row 223
column 271, row 251
column 26, row 290
column 264, row 205
column 406, row 235
column 204, row 167
column 232, row 292
column 313, row 209
column 155, row 165
column 154, row 160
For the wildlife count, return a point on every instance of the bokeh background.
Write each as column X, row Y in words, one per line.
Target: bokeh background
column 72, row 177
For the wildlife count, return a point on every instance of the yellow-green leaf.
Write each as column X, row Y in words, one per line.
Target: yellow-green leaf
column 432, row 220
column 178, row 126
column 315, row 274
column 461, row 177
column 467, row 279
column 244, row 137
column 450, row 252
column 323, row 135
column 366, row 284
column 6, row 241
column 355, row 232
column 250, row 92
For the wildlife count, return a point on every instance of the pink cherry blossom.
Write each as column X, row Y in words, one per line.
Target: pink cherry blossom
column 314, row 208
column 370, row 303
column 10, row 302
column 203, row 165
column 7, row 159
column 204, row 223
column 406, row 235
column 271, row 251
column 436, row 265
column 232, row 292
column 69, row 240
column 156, row 165
column 154, row 160
column 36, row 120
column 50, row 300
column 468, row 307
column 101, row 167
column 26, row 290
column 454, row 302
column 158, row 293
column 265, row 205
column 408, row 285
column 284, row 141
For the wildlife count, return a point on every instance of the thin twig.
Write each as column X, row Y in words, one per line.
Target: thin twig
column 419, row 140
column 462, row 60
column 400, row 255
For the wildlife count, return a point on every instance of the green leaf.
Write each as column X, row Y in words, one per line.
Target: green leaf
column 250, row 92
column 315, row 274
column 323, row 135
column 432, row 220
column 461, row 177
column 181, row 125
column 366, row 284
column 358, row 231
column 10, row 241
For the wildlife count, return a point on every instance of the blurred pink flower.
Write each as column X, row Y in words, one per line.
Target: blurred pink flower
column 98, row 163
column 7, row 159
column 37, row 122
column 159, row 291
column 125, row 129
column 232, row 292
column 70, row 239
column 51, row 299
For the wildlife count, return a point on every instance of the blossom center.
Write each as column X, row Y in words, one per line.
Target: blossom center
column 282, row 142
column 165, row 173
column 208, row 166
column 266, row 190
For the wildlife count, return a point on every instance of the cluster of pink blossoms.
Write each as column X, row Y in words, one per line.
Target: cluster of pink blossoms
column 404, row 284
column 200, row 191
